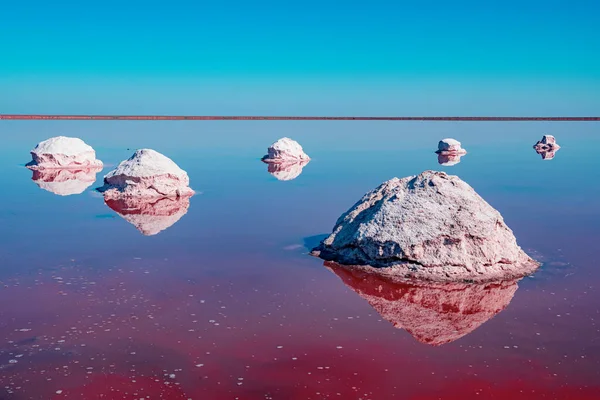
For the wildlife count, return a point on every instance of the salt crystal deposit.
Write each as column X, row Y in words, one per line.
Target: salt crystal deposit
column 547, row 147
column 150, row 215
column 63, row 152
column 450, row 146
column 286, row 171
column 430, row 226
column 147, row 173
column 285, row 150
column 434, row 313
column 65, row 182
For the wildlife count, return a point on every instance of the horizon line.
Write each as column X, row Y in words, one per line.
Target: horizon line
column 276, row 118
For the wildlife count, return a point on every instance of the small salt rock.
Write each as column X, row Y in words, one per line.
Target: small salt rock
column 450, row 145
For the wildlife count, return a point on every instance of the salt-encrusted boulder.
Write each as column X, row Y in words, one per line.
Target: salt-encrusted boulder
column 65, row 182
column 286, row 171
column 547, row 141
column 448, row 160
column 434, row 313
column 147, row 173
column 547, row 147
column 285, row 150
column 430, row 226
column 150, row 215
column 450, row 146
column 63, row 152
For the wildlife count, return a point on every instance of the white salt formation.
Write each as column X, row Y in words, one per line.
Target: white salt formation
column 450, row 146
column 65, row 182
column 285, row 150
column 287, row 171
column 430, row 226
column 434, row 313
column 150, row 215
column 147, row 173
column 63, row 152
column 547, row 147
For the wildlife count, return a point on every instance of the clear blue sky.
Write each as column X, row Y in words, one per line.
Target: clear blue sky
column 378, row 57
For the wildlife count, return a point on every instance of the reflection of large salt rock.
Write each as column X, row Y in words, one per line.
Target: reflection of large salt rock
column 285, row 150
column 147, row 173
column 286, row 171
column 150, row 215
column 431, row 226
column 447, row 160
column 450, row 146
column 547, row 147
column 434, row 313
column 63, row 152
column 64, row 182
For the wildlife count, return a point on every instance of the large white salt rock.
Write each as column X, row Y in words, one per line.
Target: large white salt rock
column 449, row 145
column 286, row 171
column 285, row 150
column 150, row 215
column 434, row 313
column 430, row 226
column 65, row 182
column 63, row 152
column 147, row 173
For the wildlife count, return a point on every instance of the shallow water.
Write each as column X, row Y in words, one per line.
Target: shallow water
column 225, row 303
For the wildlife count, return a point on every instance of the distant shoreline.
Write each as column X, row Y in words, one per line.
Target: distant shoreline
column 276, row 118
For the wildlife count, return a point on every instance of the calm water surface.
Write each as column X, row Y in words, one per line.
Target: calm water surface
column 225, row 303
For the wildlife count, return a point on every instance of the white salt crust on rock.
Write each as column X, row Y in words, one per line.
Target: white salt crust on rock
column 451, row 146
column 150, row 215
column 431, row 226
column 147, row 173
column 434, row 313
column 285, row 150
column 547, row 147
column 286, row 171
column 65, row 182
column 63, row 152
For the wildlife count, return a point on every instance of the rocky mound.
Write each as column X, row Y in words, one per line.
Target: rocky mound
column 63, row 152
column 65, row 182
column 150, row 215
column 450, row 146
column 433, row 313
column 430, row 226
column 285, row 150
column 547, row 147
column 147, row 173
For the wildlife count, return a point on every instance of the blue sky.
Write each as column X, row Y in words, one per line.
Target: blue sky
column 335, row 57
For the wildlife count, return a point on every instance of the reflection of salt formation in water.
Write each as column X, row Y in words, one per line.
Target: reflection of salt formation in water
column 65, row 182
column 547, row 154
column 150, row 215
column 288, row 170
column 547, row 147
column 447, row 160
column 433, row 313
